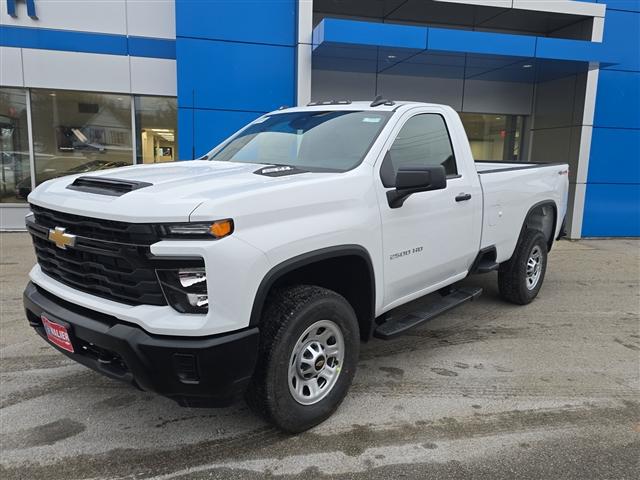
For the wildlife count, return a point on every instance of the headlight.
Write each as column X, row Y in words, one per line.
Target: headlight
column 185, row 289
column 209, row 230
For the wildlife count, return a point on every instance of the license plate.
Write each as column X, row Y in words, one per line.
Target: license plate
column 57, row 334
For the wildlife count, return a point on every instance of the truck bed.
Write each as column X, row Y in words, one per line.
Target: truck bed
column 510, row 191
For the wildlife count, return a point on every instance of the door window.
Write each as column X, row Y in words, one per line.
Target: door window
column 422, row 141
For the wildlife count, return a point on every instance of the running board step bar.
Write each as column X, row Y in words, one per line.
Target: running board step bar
column 396, row 325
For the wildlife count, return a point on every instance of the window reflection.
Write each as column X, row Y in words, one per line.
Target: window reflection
column 14, row 145
column 75, row 132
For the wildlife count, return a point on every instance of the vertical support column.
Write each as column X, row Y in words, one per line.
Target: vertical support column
column 304, row 51
column 32, row 155
column 577, row 214
column 134, row 131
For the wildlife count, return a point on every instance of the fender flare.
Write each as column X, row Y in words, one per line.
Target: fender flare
column 278, row 271
column 543, row 203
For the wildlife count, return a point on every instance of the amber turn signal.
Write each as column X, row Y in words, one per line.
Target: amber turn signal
column 221, row 228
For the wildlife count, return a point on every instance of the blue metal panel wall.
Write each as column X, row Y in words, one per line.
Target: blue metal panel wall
column 612, row 203
column 235, row 61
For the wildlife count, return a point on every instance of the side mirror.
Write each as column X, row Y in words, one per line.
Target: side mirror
column 410, row 180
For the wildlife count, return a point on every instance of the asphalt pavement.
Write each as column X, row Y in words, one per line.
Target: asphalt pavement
column 489, row 390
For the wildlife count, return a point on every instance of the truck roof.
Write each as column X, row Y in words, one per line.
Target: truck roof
column 357, row 105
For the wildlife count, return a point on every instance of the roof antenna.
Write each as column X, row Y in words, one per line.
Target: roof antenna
column 380, row 100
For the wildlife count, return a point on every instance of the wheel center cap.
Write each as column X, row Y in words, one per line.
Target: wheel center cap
column 320, row 362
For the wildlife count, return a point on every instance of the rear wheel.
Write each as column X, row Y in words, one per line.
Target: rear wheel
column 308, row 354
column 520, row 279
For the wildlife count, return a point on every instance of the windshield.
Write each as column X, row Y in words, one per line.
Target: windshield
column 334, row 141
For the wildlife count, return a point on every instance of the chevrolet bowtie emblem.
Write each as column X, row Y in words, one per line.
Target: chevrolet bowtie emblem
column 61, row 239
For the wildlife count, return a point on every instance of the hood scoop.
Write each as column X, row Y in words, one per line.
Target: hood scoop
column 106, row 186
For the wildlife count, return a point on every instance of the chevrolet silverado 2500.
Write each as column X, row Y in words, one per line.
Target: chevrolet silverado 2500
column 259, row 268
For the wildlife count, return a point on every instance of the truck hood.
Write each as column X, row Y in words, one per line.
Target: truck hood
column 175, row 190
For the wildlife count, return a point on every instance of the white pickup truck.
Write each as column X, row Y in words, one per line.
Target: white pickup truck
column 259, row 268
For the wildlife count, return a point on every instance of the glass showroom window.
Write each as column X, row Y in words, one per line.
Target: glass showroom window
column 494, row 137
column 76, row 132
column 14, row 146
column 156, row 131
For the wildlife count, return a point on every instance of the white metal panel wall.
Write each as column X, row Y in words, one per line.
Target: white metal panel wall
column 573, row 7
column 33, row 68
column 151, row 18
column 104, row 16
column 142, row 18
column 75, row 71
column 11, row 67
column 39, row 68
column 153, row 76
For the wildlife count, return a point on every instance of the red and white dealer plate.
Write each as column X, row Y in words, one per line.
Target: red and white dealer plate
column 57, row 334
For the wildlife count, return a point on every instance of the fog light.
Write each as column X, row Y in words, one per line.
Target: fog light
column 185, row 289
column 197, row 300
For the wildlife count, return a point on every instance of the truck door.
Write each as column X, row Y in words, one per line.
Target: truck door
column 431, row 240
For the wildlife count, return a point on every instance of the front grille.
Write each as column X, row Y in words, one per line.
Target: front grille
column 110, row 259
column 97, row 229
column 121, row 273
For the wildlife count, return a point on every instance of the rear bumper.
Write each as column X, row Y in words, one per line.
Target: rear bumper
column 194, row 371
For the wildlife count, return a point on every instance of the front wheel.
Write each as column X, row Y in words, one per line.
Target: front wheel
column 307, row 358
column 520, row 278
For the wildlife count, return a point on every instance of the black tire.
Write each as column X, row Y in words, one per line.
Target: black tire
column 512, row 275
column 289, row 312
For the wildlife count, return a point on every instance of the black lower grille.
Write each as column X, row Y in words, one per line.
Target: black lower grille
column 122, row 273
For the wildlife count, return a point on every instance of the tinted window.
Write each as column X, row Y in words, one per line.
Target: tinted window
column 315, row 141
column 422, row 141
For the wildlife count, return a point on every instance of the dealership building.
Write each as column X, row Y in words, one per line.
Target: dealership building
column 89, row 85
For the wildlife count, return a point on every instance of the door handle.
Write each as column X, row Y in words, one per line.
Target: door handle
column 463, row 197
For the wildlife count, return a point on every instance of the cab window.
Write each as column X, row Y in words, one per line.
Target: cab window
column 423, row 141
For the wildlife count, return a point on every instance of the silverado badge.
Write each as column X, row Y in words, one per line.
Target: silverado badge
column 62, row 239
